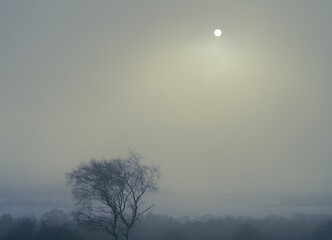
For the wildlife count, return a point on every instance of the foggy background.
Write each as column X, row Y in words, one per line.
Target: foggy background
column 238, row 125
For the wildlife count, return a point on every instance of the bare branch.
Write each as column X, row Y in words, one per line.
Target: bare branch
column 109, row 193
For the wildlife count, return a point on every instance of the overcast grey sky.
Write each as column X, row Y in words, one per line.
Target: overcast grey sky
column 248, row 112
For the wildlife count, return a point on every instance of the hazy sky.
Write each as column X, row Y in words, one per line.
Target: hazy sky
column 248, row 112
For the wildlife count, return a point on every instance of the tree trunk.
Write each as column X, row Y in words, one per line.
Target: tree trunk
column 128, row 235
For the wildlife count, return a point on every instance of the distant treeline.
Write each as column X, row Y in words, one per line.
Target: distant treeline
column 57, row 225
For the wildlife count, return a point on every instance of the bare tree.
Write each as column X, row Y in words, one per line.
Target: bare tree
column 109, row 194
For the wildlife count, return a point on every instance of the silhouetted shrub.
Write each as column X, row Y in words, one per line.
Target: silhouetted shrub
column 53, row 226
column 247, row 232
column 56, row 225
column 24, row 229
column 56, row 233
column 174, row 234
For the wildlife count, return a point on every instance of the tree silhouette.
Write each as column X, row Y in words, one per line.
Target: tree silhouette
column 109, row 193
column 24, row 229
column 54, row 218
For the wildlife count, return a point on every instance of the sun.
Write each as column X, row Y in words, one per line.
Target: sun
column 217, row 32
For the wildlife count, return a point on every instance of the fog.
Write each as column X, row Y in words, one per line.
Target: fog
column 239, row 124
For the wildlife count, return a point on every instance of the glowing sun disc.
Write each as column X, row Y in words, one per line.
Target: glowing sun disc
column 217, row 32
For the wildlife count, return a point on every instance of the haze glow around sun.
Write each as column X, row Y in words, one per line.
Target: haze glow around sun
column 217, row 32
